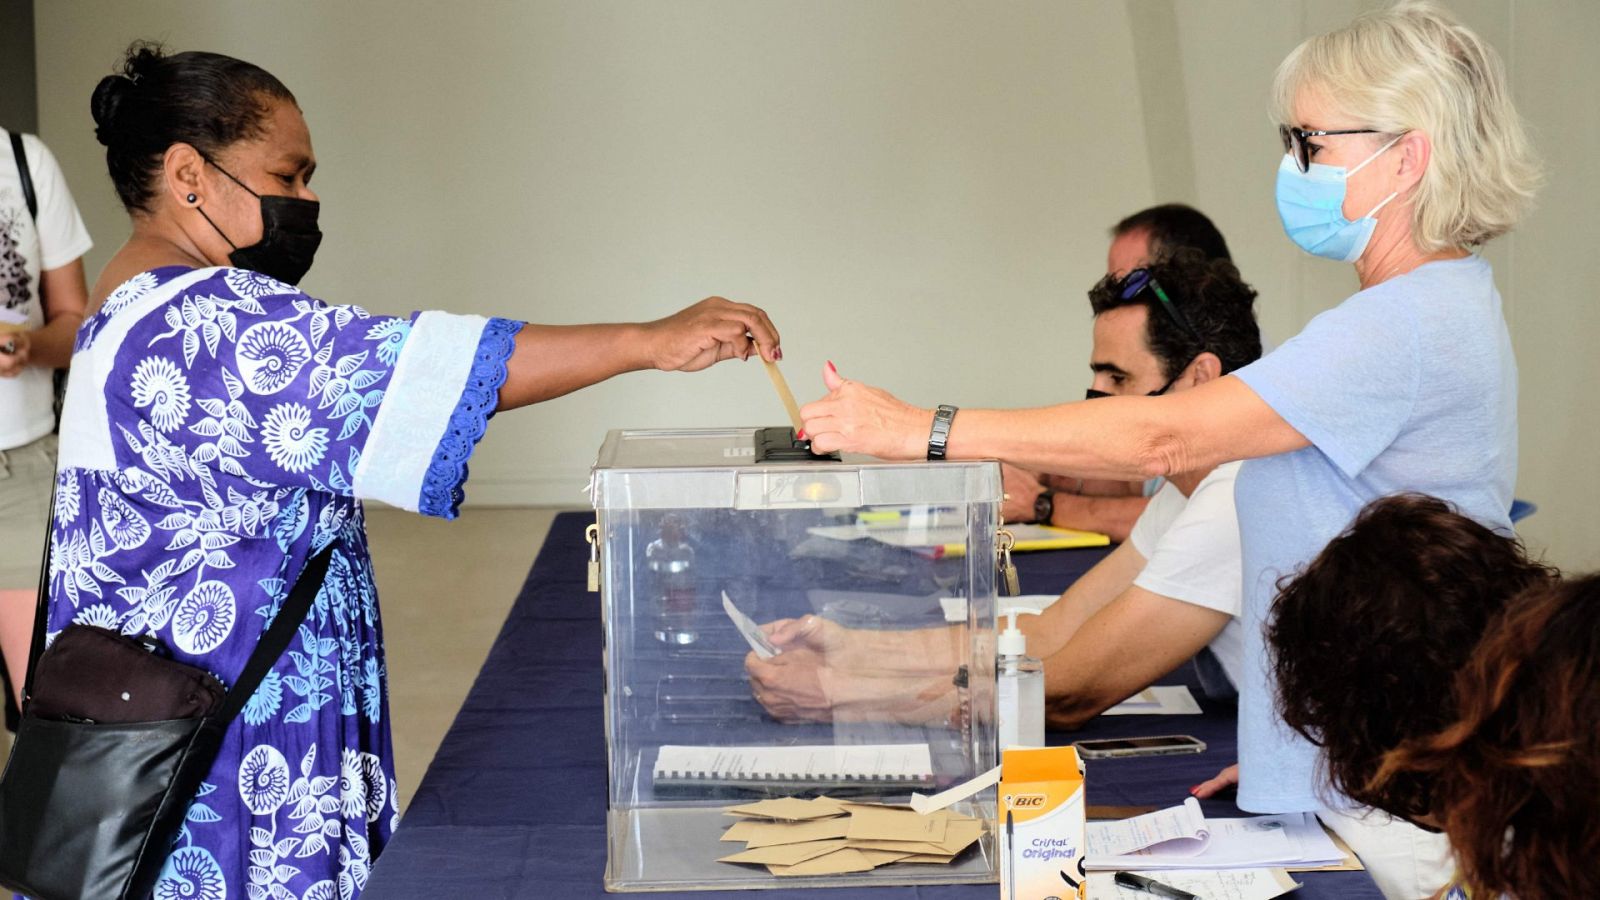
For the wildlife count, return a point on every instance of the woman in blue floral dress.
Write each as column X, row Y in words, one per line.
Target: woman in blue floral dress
column 222, row 427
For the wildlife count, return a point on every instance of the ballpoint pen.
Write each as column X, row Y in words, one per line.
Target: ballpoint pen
column 1151, row 886
column 1011, row 857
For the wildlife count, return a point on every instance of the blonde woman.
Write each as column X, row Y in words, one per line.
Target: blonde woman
column 1402, row 154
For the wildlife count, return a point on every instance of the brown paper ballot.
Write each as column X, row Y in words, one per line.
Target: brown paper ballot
column 742, row 829
column 789, row 809
column 836, row 863
column 786, row 395
column 785, row 854
column 959, row 835
column 882, row 857
column 767, row 834
column 885, row 824
column 821, row 836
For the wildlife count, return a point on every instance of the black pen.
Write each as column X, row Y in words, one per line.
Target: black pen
column 1011, row 856
column 1151, row 886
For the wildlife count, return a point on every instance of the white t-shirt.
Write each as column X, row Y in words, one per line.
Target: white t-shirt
column 26, row 250
column 1191, row 545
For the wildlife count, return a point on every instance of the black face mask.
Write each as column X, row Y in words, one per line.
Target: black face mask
column 289, row 236
column 1092, row 394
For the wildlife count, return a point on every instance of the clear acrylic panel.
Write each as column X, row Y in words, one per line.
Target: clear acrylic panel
column 889, row 691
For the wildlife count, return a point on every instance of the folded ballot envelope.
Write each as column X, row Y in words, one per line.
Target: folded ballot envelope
column 1042, row 821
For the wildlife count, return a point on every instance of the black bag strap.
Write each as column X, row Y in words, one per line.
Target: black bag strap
column 271, row 646
column 59, row 378
column 42, row 610
column 277, row 636
column 27, row 179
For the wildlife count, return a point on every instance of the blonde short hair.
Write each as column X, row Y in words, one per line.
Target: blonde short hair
column 1413, row 67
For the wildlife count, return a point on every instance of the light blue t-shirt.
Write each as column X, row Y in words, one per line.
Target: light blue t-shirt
column 1406, row 386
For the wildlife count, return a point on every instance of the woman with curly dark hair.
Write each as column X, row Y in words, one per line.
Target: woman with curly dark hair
column 1452, row 682
column 1366, row 640
column 1516, row 779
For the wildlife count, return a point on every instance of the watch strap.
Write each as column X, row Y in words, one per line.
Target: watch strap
column 1044, row 506
column 939, row 436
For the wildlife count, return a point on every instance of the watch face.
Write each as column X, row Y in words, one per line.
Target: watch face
column 1043, row 506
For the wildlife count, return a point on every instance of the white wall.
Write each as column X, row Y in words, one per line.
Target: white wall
column 916, row 190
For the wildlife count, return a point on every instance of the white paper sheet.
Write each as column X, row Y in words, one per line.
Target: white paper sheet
column 925, row 804
column 1295, row 839
column 1228, row 884
column 748, row 629
column 909, row 762
column 1176, row 830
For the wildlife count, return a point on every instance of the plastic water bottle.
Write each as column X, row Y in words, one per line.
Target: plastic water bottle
column 670, row 560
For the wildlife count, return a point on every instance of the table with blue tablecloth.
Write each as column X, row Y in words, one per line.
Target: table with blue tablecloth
column 514, row 802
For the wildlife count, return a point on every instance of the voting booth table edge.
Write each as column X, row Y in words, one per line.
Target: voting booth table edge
column 514, row 802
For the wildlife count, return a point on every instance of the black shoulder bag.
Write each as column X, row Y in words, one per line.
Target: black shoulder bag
column 114, row 742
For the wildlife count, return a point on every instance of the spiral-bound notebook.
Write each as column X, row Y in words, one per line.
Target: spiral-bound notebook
column 892, row 766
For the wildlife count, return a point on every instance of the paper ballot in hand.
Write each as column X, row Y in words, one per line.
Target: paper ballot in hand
column 753, row 635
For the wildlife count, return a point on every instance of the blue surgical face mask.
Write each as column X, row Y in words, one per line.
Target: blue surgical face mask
column 1311, row 205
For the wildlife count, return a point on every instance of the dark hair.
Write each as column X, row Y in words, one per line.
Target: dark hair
column 1366, row 640
column 206, row 100
column 1173, row 226
column 1516, row 780
column 1210, row 296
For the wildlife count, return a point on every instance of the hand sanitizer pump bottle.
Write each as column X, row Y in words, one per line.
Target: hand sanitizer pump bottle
column 1020, row 687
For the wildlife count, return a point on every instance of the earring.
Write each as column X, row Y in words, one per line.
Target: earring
column 191, row 198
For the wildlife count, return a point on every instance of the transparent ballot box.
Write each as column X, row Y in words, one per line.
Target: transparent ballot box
column 874, row 582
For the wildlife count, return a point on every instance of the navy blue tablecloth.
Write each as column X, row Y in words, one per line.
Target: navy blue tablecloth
column 514, row 803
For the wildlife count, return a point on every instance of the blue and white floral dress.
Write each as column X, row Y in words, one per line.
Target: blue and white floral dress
column 220, row 429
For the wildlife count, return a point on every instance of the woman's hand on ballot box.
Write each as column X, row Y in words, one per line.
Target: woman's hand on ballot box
column 858, row 418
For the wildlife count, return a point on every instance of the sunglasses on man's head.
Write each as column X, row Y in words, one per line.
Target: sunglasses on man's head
column 1294, row 142
column 1140, row 280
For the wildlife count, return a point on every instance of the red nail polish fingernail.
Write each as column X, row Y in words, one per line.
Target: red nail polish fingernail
column 801, row 434
column 778, row 354
column 832, row 367
column 1195, row 790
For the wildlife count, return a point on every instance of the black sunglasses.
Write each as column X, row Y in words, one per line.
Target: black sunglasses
column 1140, row 280
column 1294, row 142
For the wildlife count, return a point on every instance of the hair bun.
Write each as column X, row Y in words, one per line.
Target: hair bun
column 107, row 100
column 111, row 95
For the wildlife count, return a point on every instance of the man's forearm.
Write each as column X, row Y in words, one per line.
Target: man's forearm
column 1113, row 516
column 920, row 651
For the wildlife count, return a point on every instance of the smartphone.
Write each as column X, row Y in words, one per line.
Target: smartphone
column 1162, row 745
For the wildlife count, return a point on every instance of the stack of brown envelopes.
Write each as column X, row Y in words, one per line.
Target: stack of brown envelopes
column 822, row 836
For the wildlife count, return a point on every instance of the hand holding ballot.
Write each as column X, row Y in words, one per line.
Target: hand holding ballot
column 553, row 360
column 824, row 672
column 709, row 332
